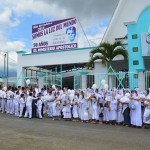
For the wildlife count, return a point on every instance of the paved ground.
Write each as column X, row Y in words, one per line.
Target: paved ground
column 45, row 134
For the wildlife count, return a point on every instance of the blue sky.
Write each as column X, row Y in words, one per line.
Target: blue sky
column 18, row 16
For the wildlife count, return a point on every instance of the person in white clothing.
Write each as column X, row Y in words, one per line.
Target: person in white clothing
column 10, row 97
column 135, row 112
column 39, row 107
column 146, row 116
column 28, row 112
column 16, row 104
column 1, row 98
column 22, row 104
column 4, row 100
column 50, row 99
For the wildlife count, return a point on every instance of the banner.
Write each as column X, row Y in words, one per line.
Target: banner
column 56, row 35
column 145, row 39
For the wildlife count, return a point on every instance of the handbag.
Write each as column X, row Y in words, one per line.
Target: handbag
column 132, row 105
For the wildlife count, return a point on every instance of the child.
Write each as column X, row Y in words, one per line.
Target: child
column 75, row 110
column 22, row 104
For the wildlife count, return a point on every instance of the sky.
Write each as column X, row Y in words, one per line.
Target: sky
column 18, row 16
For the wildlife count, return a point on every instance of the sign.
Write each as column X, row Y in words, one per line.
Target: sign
column 56, row 35
column 145, row 39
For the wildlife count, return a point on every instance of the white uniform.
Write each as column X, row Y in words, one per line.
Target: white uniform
column 39, row 107
column 50, row 101
column 22, row 105
column 146, row 116
column 16, row 103
column 84, row 109
column 75, row 109
column 113, row 109
column 10, row 97
column 67, row 111
column 136, row 117
column 29, row 107
column 1, row 99
column 119, row 108
column 95, row 109
column 4, row 102
column 106, row 109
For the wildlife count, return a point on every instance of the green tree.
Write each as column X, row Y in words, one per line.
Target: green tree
column 106, row 52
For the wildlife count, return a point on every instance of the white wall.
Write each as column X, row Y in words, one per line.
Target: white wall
column 99, row 71
column 127, row 11
column 52, row 58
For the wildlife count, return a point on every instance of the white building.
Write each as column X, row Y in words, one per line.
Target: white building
column 69, row 65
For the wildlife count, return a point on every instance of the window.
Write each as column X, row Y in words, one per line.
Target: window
column 136, row 76
column 134, row 36
column 135, row 49
column 135, row 62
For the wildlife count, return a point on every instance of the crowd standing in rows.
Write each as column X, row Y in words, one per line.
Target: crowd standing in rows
column 125, row 107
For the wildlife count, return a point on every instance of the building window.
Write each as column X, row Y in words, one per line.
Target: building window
column 134, row 36
column 136, row 76
column 135, row 62
column 135, row 49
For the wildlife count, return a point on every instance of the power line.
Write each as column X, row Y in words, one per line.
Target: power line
column 84, row 32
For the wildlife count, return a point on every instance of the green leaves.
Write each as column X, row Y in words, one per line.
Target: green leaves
column 106, row 52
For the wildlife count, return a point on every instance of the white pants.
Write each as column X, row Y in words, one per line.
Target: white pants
column 50, row 109
column 4, row 105
column 28, row 111
column 146, row 117
column 13, row 106
column 1, row 103
column 39, row 111
column 9, row 106
column 16, row 109
column 21, row 110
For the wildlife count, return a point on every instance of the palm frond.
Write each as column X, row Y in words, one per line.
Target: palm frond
column 121, row 52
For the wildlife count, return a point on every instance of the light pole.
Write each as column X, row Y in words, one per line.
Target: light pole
column 4, row 64
column 6, row 61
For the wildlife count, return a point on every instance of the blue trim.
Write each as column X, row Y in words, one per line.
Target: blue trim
column 20, row 52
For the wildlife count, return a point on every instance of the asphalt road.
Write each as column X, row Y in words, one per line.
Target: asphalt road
column 46, row 134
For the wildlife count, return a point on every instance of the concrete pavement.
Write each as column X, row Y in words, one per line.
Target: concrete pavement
column 45, row 134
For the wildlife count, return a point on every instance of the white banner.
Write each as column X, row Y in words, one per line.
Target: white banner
column 56, row 35
column 145, row 39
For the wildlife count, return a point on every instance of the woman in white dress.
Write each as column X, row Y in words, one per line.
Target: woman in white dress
column 119, row 108
column 146, row 116
column 107, row 98
column 135, row 110
column 113, row 110
column 95, row 109
column 56, row 106
column 84, row 108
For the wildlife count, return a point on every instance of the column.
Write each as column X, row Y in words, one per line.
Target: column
column 141, row 80
column 83, row 81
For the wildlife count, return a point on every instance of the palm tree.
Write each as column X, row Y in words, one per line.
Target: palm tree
column 106, row 52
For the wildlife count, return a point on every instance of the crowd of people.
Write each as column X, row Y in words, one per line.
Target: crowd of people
column 123, row 107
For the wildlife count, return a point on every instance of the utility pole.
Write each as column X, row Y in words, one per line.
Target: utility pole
column 5, row 64
column 7, row 68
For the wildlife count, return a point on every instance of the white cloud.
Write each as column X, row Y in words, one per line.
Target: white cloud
column 91, row 40
column 88, row 12
column 5, row 18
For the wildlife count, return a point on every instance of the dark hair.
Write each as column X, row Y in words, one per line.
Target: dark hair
column 147, row 92
column 71, row 28
column 30, row 94
column 22, row 95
